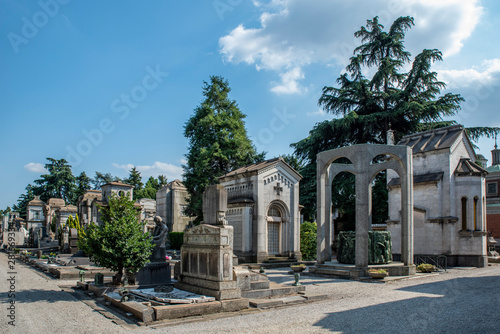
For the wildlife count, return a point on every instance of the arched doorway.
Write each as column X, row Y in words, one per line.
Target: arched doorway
column 274, row 221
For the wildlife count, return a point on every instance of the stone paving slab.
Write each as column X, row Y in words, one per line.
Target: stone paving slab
column 293, row 300
column 263, row 303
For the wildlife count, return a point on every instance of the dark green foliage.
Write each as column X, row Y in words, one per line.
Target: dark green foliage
column 151, row 187
column 23, row 201
column 176, row 240
column 344, row 199
column 103, row 178
column 218, row 142
column 367, row 107
column 135, row 179
column 120, row 242
column 82, row 184
column 4, row 212
column 59, row 183
column 380, row 196
column 308, row 240
column 294, row 161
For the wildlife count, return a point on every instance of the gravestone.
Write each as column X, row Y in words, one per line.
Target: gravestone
column 73, row 241
column 207, row 251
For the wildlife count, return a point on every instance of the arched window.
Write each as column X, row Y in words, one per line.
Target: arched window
column 476, row 200
column 464, row 213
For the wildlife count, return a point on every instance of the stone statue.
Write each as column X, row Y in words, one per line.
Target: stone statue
column 160, row 235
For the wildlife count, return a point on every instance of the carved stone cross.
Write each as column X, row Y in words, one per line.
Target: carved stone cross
column 278, row 188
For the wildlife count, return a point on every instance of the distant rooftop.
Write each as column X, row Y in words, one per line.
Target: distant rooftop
column 435, row 139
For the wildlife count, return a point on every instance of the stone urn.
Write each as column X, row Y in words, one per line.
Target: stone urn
column 298, row 268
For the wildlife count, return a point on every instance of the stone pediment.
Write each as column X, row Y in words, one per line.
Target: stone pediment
column 204, row 229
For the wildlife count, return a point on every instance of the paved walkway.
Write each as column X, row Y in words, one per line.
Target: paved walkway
column 459, row 301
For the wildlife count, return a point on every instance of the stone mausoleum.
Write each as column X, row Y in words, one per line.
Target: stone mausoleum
column 449, row 198
column 263, row 209
column 171, row 201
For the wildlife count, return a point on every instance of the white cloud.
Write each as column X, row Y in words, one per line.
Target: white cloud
column 172, row 172
column 486, row 74
column 35, row 167
column 295, row 33
column 289, row 84
column 320, row 112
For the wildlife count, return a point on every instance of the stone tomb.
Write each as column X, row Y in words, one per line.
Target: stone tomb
column 207, row 252
column 207, row 262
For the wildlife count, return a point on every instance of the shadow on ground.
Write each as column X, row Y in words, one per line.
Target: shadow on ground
column 462, row 305
column 34, row 295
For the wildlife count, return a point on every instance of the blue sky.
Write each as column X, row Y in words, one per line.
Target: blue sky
column 109, row 85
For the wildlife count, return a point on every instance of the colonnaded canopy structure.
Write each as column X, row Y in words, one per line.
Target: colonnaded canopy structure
column 363, row 164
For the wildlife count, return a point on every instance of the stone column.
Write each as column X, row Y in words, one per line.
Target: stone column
column 363, row 212
column 407, row 211
column 323, row 215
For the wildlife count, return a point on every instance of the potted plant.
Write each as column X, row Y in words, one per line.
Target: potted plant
column 298, row 268
column 378, row 273
column 426, row 268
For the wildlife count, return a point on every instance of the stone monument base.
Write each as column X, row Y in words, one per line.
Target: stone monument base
column 154, row 273
column 218, row 290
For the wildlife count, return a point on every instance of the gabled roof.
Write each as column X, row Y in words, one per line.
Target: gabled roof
column 466, row 167
column 36, row 202
column 436, row 139
column 260, row 166
column 118, row 184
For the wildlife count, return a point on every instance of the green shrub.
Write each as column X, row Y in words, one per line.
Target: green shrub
column 308, row 232
column 426, row 268
column 176, row 239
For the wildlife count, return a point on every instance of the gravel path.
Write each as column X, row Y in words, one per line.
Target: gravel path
column 458, row 301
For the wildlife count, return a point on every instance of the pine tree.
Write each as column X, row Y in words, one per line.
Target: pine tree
column 366, row 107
column 135, row 179
column 59, row 183
column 218, row 142
column 82, row 184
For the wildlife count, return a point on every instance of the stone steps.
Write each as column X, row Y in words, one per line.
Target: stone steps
column 332, row 272
column 259, row 285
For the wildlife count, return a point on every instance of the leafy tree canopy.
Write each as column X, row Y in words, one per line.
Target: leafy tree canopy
column 59, row 183
column 218, row 142
column 365, row 108
column 120, row 242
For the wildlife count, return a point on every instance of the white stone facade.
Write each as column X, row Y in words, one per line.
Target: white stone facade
column 449, row 198
column 263, row 208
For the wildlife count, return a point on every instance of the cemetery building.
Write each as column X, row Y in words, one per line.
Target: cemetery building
column 171, row 201
column 56, row 210
column 34, row 214
column 449, row 197
column 493, row 195
column 84, row 205
column 107, row 191
column 148, row 213
column 263, row 208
